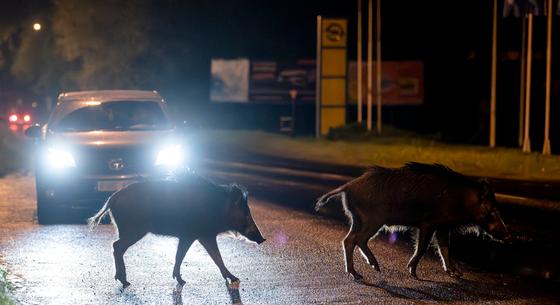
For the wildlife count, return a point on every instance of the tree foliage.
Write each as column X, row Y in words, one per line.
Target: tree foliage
column 87, row 44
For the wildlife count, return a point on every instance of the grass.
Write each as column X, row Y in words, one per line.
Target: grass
column 391, row 151
column 4, row 287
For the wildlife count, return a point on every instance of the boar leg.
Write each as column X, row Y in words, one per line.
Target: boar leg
column 423, row 241
column 211, row 247
column 119, row 248
column 349, row 244
column 362, row 240
column 443, row 236
column 182, row 248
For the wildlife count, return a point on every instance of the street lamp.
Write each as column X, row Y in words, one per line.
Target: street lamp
column 36, row 26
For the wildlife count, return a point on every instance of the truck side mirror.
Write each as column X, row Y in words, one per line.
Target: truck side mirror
column 33, row 131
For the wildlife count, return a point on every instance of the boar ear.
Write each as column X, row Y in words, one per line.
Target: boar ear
column 236, row 194
column 486, row 188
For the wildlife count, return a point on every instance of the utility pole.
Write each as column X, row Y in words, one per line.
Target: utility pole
column 359, row 63
column 493, row 80
column 526, row 140
column 522, row 80
column 369, row 64
column 378, row 66
column 546, row 145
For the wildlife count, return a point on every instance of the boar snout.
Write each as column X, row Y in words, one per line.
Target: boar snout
column 253, row 234
column 499, row 231
column 260, row 241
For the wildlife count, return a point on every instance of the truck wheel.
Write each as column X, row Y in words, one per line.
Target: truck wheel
column 46, row 213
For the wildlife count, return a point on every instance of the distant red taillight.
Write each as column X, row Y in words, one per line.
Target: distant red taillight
column 13, row 118
column 26, row 118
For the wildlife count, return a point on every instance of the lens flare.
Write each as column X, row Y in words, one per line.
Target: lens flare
column 59, row 159
column 171, row 157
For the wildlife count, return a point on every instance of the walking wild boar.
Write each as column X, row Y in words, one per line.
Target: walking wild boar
column 190, row 208
column 432, row 198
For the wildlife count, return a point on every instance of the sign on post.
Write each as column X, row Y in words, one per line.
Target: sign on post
column 331, row 73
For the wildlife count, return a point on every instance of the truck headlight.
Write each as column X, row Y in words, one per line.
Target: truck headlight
column 171, row 157
column 59, row 159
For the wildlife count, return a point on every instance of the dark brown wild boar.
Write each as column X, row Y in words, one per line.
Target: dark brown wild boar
column 432, row 198
column 191, row 208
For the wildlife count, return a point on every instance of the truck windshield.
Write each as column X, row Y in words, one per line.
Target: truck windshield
column 121, row 115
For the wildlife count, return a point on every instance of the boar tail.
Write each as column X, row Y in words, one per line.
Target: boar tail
column 96, row 219
column 326, row 197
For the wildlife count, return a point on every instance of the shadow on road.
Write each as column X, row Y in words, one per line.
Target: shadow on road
column 232, row 288
column 461, row 290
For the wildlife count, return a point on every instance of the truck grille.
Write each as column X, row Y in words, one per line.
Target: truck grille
column 115, row 161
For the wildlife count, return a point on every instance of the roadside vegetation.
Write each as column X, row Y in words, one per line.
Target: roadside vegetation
column 4, row 287
column 391, row 150
column 13, row 155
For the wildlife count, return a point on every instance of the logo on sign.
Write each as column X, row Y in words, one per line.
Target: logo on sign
column 335, row 32
column 116, row 164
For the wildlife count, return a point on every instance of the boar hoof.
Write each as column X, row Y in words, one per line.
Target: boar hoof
column 357, row 277
column 233, row 284
column 412, row 272
column 232, row 278
column 124, row 282
column 179, row 279
column 376, row 268
column 455, row 273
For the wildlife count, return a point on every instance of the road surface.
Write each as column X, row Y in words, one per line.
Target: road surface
column 301, row 263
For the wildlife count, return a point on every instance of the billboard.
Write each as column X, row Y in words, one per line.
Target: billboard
column 271, row 81
column 230, row 80
column 402, row 83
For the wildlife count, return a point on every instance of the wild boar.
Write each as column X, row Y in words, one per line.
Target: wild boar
column 430, row 197
column 191, row 208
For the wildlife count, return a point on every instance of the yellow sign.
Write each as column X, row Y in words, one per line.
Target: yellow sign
column 331, row 73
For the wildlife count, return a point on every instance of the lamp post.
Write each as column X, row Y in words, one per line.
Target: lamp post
column 293, row 95
column 546, row 144
column 369, row 64
column 359, row 63
column 493, row 78
column 526, row 141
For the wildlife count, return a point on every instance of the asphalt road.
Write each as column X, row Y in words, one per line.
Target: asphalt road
column 301, row 263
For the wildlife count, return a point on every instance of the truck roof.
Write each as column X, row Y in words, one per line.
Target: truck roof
column 108, row 95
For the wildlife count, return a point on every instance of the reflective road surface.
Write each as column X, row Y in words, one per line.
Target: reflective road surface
column 300, row 263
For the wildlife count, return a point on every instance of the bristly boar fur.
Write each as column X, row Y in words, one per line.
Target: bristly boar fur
column 432, row 198
column 190, row 208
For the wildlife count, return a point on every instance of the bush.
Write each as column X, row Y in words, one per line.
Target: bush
column 5, row 299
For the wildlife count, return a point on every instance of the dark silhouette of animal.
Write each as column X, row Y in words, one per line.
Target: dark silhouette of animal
column 191, row 208
column 430, row 197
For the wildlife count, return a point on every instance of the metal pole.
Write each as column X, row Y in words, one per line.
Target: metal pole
column 369, row 64
column 526, row 140
column 318, row 80
column 546, row 145
column 293, row 115
column 359, row 63
column 378, row 65
column 522, row 80
column 493, row 81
